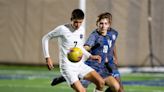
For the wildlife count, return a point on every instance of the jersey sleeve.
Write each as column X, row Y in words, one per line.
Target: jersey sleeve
column 115, row 32
column 45, row 40
column 85, row 53
column 91, row 40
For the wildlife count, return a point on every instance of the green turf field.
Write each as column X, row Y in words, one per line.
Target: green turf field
column 37, row 79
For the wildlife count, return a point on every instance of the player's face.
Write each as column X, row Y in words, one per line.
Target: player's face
column 76, row 23
column 103, row 26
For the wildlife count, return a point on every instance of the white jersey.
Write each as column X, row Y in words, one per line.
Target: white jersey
column 68, row 38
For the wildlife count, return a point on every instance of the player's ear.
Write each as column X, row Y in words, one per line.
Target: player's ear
column 96, row 23
column 110, row 21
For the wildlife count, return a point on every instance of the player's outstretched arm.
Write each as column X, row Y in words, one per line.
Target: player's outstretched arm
column 115, row 56
column 94, row 57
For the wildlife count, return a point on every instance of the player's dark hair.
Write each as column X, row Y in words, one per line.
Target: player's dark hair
column 103, row 16
column 77, row 14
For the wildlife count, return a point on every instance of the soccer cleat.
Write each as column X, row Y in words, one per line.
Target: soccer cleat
column 108, row 90
column 58, row 80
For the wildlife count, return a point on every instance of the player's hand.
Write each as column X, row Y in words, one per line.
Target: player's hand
column 115, row 61
column 96, row 57
column 49, row 63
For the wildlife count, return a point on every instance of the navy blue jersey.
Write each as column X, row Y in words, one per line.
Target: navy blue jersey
column 103, row 46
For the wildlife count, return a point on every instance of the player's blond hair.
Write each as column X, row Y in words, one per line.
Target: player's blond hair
column 104, row 15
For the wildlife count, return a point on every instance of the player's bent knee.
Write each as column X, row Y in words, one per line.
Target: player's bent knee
column 80, row 89
column 116, row 87
column 101, row 84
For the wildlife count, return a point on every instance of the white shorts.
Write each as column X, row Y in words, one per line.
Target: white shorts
column 73, row 72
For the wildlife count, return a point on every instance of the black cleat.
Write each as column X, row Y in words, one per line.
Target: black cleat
column 58, row 80
column 108, row 90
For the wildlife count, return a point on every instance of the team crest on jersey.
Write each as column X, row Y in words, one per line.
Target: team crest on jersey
column 114, row 37
column 81, row 36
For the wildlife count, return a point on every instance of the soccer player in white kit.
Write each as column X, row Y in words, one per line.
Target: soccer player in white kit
column 69, row 35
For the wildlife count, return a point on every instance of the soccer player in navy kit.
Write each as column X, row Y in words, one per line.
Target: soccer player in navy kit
column 102, row 42
column 69, row 35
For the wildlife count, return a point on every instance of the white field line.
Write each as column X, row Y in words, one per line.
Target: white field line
column 27, row 74
column 29, row 86
column 141, row 69
column 138, row 90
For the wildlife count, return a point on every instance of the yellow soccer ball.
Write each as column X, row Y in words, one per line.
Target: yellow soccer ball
column 75, row 54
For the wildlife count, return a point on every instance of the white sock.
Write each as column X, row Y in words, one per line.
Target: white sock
column 95, row 90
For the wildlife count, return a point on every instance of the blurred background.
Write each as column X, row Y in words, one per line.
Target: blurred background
column 140, row 24
column 23, row 23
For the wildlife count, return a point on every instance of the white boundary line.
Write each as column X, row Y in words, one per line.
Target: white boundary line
column 142, row 69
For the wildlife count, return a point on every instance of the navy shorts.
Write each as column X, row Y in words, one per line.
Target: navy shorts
column 104, row 72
